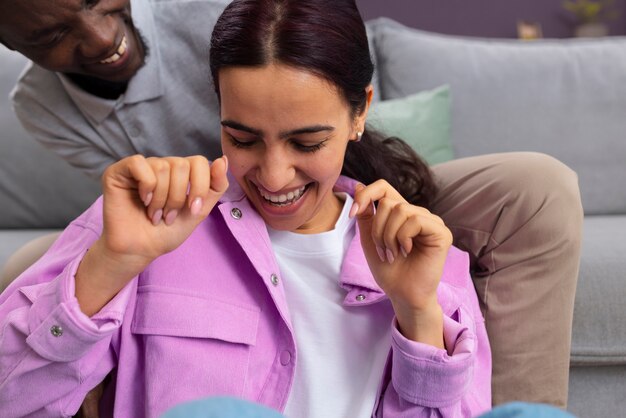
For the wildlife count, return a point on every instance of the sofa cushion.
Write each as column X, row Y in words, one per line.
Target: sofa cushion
column 566, row 98
column 422, row 120
column 37, row 189
column 597, row 391
column 12, row 239
column 599, row 333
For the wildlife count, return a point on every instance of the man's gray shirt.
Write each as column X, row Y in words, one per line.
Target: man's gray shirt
column 169, row 108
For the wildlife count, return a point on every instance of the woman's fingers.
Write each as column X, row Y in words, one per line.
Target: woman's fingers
column 385, row 250
column 178, row 187
column 208, row 184
column 160, row 192
column 171, row 185
column 426, row 229
column 365, row 196
column 199, row 183
column 398, row 216
column 395, row 223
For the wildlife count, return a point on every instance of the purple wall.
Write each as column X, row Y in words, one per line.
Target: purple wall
column 490, row 18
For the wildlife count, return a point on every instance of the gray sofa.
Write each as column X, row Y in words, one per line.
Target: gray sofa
column 566, row 98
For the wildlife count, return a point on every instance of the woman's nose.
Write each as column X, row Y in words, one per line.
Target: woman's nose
column 275, row 171
column 99, row 36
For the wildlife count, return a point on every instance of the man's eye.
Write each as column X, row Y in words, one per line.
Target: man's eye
column 53, row 41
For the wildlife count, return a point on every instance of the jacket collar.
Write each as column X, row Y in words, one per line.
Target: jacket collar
column 355, row 276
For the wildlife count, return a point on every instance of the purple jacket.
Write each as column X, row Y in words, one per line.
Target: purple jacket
column 210, row 318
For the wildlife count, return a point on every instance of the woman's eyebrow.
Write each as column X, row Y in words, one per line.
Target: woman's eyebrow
column 241, row 127
column 307, row 130
column 299, row 131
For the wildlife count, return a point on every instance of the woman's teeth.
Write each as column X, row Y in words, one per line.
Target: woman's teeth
column 283, row 199
column 118, row 54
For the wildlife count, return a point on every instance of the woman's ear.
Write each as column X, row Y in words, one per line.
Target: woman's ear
column 360, row 119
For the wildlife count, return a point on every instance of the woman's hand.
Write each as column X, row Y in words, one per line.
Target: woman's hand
column 151, row 206
column 406, row 247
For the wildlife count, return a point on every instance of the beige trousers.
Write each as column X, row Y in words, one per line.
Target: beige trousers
column 519, row 216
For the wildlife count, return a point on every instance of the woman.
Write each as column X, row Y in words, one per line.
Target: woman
column 288, row 284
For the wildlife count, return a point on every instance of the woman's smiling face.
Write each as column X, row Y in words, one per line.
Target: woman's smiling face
column 285, row 133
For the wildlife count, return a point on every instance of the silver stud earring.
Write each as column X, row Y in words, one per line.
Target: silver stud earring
column 359, row 135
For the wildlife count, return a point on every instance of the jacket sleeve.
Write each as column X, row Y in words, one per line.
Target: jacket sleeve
column 51, row 354
column 424, row 381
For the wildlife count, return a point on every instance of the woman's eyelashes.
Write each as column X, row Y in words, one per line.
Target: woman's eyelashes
column 310, row 148
column 238, row 143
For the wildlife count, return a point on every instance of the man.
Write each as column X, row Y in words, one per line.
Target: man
column 110, row 81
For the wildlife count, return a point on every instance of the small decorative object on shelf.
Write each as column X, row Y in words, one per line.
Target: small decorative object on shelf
column 528, row 31
column 591, row 16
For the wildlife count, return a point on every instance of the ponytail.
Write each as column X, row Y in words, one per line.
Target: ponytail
column 376, row 157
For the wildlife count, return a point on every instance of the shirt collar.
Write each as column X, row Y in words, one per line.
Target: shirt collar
column 146, row 84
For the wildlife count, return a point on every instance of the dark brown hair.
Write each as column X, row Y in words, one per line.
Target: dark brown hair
column 326, row 38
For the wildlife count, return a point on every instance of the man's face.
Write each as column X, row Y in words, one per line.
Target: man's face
column 91, row 37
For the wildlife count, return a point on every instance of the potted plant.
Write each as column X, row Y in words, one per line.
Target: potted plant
column 591, row 16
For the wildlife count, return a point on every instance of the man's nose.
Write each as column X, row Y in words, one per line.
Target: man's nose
column 276, row 171
column 99, row 36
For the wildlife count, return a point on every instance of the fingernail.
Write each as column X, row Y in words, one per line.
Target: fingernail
column 196, row 206
column 148, row 199
column 390, row 256
column 353, row 210
column 225, row 161
column 170, row 217
column 156, row 218
column 381, row 254
column 403, row 251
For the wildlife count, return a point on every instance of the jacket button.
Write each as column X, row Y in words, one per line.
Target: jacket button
column 360, row 298
column 285, row 358
column 274, row 279
column 236, row 213
column 56, row 330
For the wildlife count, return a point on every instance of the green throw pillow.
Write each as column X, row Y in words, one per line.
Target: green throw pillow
column 422, row 120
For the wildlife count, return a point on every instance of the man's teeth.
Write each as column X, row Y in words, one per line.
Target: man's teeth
column 118, row 54
column 283, row 198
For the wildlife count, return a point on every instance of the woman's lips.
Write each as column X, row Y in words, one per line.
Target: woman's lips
column 274, row 207
column 283, row 199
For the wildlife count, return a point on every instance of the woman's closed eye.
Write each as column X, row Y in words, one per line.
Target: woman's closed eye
column 305, row 147
column 240, row 143
column 297, row 144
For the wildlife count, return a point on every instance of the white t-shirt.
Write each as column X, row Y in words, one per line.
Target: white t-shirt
column 341, row 351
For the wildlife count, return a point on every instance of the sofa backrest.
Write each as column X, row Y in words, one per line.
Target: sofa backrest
column 566, row 98
column 37, row 188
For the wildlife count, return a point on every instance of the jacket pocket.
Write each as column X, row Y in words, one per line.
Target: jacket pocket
column 177, row 312
column 191, row 345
